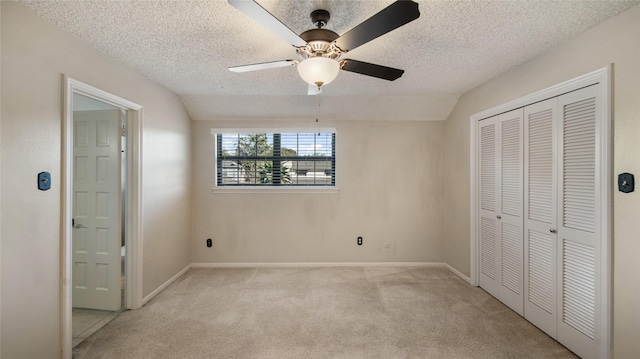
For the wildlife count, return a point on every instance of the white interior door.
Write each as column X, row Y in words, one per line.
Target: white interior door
column 540, row 215
column 509, row 217
column 579, row 224
column 562, row 289
column 96, row 210
column 500, row 225
column 488, row 202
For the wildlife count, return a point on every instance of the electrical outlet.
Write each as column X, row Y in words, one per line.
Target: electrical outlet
column 209, row 242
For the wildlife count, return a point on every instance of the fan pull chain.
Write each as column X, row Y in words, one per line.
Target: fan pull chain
column 318, row 110
column 317, row 107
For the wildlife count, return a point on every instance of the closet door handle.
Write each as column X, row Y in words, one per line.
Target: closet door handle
column 552, row 230
column 499, row 217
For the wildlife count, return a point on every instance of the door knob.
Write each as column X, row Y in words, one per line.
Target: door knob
column 499, row 217
column 74, row 225
column 552, row 230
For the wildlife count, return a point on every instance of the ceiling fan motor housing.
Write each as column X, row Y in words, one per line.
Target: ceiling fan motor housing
column 319, row 41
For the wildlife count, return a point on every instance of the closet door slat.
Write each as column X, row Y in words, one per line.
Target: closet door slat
column 540, row 163
column 578, row 185
column 488, row 167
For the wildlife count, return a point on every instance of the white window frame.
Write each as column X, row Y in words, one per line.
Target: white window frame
column 270, row 189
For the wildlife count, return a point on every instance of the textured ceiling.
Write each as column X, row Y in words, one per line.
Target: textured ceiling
column 453, row 47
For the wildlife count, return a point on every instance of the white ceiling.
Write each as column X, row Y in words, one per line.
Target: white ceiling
column 453, row 47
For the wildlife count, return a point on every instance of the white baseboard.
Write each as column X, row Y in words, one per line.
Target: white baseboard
column 165, row 285
column 458, row 273
column 318, row 264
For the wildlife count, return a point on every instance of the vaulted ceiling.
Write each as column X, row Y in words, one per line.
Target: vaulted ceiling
column 453, row 47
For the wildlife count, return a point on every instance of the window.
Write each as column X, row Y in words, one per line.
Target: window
column 275, row 159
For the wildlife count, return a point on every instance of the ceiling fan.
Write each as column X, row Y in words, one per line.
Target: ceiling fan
column 319, row 50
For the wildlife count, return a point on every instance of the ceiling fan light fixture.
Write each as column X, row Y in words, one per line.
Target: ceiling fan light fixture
column 318, row 70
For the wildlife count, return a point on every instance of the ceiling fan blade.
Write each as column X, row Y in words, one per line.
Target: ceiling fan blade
column 390, row 18
column 253, row 10
column 263, row 66
column 365, row 68
column 314, row 90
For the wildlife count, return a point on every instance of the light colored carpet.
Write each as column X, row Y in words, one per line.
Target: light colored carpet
column 336, row 312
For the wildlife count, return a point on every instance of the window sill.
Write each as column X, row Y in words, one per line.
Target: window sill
column 285, row 189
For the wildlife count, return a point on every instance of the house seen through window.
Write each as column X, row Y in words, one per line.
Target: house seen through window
column 275, row 159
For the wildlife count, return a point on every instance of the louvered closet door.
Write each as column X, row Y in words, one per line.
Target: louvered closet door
column 501, row 243
column 540, row 244
column 488, row 224
column 540, row 241
column 510, row 222
column 579, row 224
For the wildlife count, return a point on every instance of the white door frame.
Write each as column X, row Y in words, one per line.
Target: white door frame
column 133, row 205
column 604, row 181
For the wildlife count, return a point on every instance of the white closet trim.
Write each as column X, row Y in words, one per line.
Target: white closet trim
column 604, row 180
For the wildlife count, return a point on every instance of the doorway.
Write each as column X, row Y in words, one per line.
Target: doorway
column 101, row 210
column 99, row 215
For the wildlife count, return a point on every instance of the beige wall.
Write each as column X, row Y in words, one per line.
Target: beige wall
column 35, row 54
column 390, row 178
column 615, row 41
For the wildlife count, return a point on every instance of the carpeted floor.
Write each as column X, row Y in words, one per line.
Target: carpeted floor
column 335, row 312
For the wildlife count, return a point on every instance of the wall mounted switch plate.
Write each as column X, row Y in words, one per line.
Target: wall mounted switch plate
column 625, row 182
column 44, row 181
